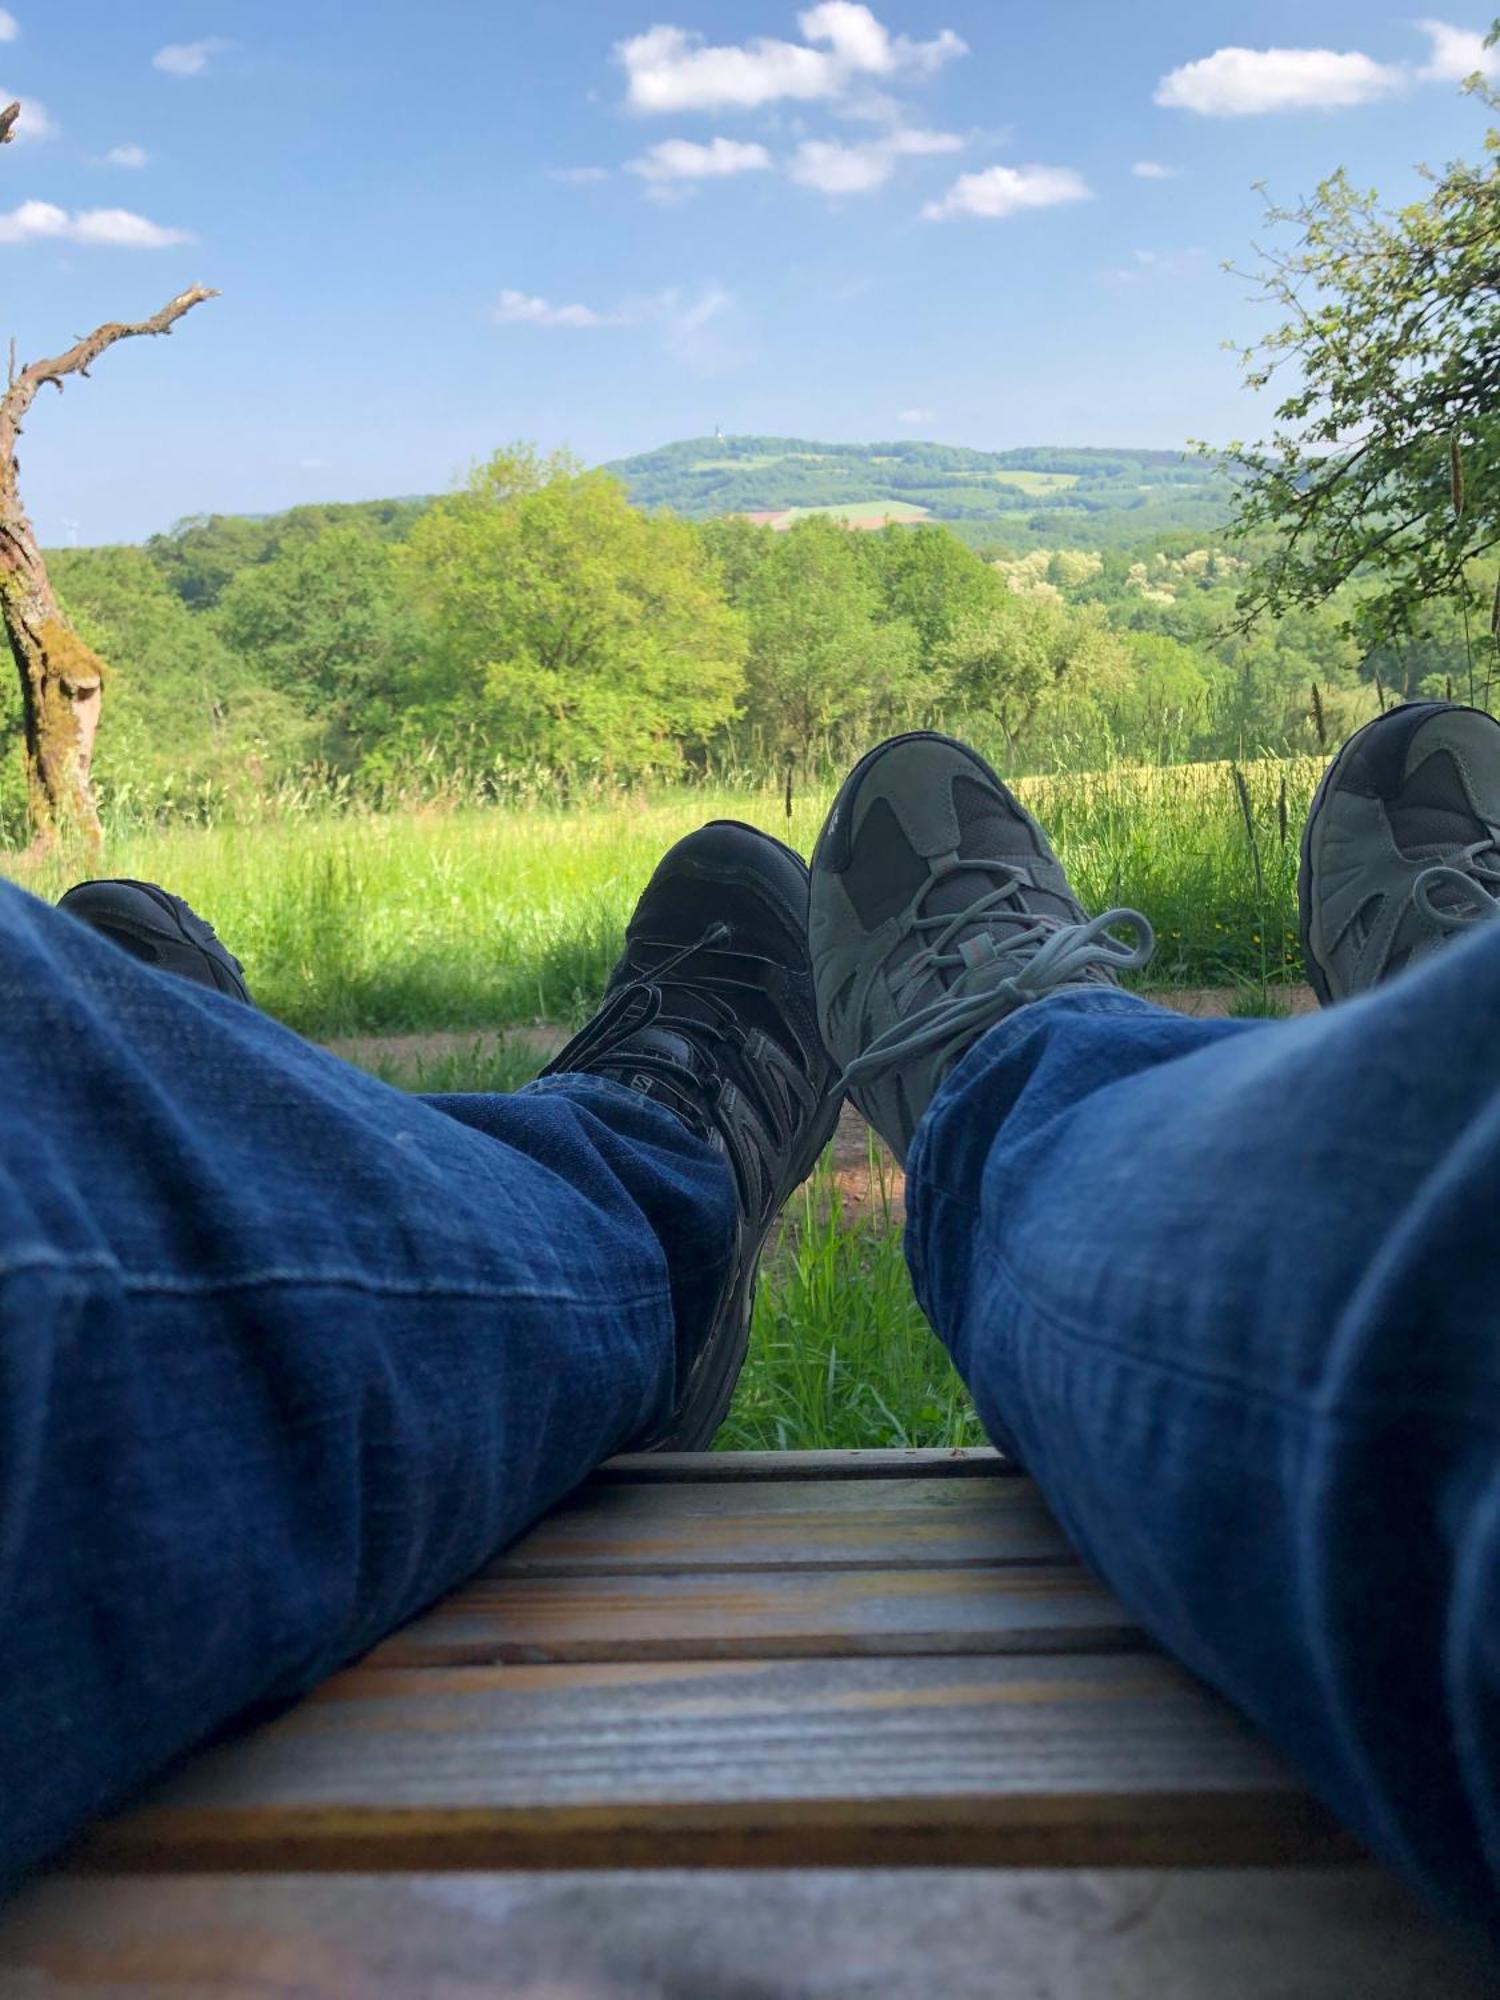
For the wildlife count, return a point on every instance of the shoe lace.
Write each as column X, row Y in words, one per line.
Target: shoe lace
column 613, row 1037
column 1470, row 877
column 992, row 974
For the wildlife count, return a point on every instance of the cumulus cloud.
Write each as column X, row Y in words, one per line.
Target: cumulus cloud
column 1241, row 83
column 579, row 176
column 1153, row 170
column 10, row 27
column 126, row 156
column 915, row 416
column 834, row 168
column 1152, row 264
column 111, row 228
column 998, row 192
column 1456, row 54
column 671, row 69
column 687, row 160
column 189, row 58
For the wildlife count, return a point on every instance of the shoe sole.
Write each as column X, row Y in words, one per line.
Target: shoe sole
column 696, row 1423
column 1317, row 978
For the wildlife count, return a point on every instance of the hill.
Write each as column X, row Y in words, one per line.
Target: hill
column 1038, row 496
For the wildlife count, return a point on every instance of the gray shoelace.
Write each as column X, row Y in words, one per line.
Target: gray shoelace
column 995, row 975
column 1468, row 881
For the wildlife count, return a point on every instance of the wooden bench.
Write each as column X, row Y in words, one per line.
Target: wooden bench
column 754, row 1724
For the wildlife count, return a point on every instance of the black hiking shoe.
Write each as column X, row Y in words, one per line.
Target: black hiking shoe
column 160, row 929
column 1402, row 845
column 710, row 1012
column 937, row 908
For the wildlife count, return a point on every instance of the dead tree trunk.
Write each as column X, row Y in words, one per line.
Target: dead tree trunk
column 62, row 678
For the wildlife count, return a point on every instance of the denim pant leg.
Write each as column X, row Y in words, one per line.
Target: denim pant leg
column 1232, row 1291
column 284, row 1353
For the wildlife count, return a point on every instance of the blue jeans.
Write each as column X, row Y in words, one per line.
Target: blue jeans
column 284, row 1354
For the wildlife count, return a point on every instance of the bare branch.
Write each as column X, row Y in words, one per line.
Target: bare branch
column 18, row 398
column 8, row 119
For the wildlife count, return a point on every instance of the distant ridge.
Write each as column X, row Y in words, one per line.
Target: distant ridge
column 1031, row 496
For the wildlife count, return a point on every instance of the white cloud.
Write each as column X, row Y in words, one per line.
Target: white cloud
column 670, row 69
column 126, row 156
column 1240, row 83
column 519, row 309
column 113, row 228
column 836, row 169
column 10, row 27
column 190, row 58
column 697, row 328
column 687, row 160
column 35, row 121
column 1456, row 54
column 1153, row 170
column 998, row 192
column 579, row 176
column 915, row 416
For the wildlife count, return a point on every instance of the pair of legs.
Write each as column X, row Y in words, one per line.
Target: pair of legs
column 284, row 1354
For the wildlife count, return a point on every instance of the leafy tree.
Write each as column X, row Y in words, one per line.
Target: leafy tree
column 329, row 622
column 931, row 579
column 825, row 659
column 1384, row 463
column 579, row 632
column 188, row 719
column 1024, row 659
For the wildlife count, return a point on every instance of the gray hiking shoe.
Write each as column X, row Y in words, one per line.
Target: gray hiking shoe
column 1402, row 845
column 938, row 908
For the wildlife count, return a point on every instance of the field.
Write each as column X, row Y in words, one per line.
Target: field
column 483, row 920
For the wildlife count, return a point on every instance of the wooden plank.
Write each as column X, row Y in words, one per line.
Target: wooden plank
column 775, row 1614
column 1059, row 1761
column 978, row 1463
column 964, row 1935
column 631, row 1528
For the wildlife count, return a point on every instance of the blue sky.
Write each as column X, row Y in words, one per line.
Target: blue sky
column 608, row 224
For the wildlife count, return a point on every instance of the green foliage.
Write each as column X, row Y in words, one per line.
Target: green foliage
column 188, row 724
column 1383, row 468
column 580, row 632
column 330, row 624
column 825, row 657
column 1024, row 660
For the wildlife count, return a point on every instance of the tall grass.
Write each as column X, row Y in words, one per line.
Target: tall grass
column 476, row 918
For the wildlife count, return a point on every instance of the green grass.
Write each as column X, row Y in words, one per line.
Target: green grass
column 480, row 918
column 1036, row 482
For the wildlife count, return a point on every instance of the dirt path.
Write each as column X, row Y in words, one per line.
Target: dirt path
column 864, row 1171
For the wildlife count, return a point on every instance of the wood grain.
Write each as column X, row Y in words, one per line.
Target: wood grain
column 967, row 1935
column 1078, row 1761
column 776, row 1614
column 639, row 1527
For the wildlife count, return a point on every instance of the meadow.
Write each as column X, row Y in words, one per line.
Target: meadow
column 474, row 920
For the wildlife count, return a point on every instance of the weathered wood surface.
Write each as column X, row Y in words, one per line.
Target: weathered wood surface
column 1066, row 1759
column 737, row 1668
column 914, row 1935
column 915, row 1522
column 705, row 1615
